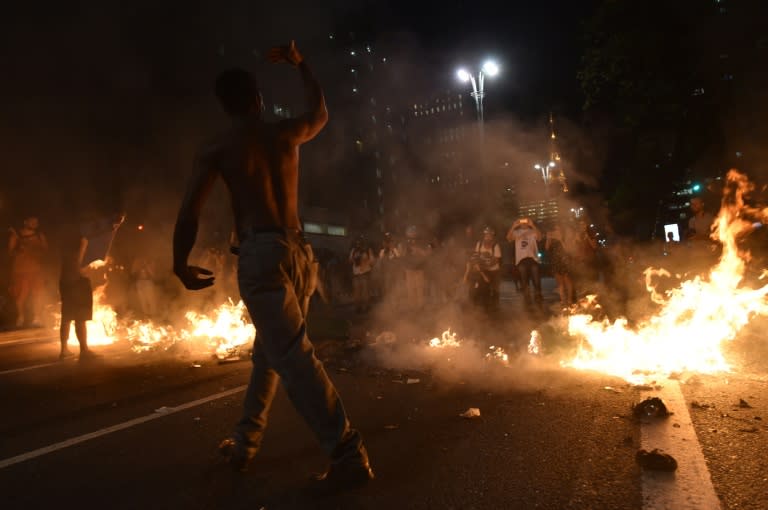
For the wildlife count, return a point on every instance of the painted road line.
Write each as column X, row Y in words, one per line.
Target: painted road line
column 32, row 367
column 690, row 487
column 24, row 341
column 115, row 428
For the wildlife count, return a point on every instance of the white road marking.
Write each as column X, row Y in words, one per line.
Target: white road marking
column 690, row 487
column 32, row 367
column 115, row 428
column 22, row 341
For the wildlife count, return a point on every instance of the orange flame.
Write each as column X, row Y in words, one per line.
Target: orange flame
column 695, row 319
column 223, row 331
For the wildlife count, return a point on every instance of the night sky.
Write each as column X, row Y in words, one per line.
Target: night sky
column 97, row 94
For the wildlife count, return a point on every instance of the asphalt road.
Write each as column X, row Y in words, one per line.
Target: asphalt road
column 146, row 427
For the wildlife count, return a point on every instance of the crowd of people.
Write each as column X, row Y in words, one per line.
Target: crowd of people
column 421, row 270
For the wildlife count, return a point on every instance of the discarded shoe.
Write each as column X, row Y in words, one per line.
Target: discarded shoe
column 349, row 474
column 655, row 460
column 236, row 454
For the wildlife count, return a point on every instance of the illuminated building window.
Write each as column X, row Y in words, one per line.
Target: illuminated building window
column 334, row 230
column 313, row 228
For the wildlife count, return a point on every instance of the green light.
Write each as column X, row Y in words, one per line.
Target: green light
column 696, row 187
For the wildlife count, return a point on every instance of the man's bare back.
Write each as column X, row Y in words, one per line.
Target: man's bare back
column 258, row 161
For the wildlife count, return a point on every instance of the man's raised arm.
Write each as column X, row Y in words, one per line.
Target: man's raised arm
column 185, row 231
column 303, row 128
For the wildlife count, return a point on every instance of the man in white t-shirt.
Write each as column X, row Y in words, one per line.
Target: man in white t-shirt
column 525, row 235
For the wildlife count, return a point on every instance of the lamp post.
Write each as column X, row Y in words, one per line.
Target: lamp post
column 489, row 68
column 544, row 169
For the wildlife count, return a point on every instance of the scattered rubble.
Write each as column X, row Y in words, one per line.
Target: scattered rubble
column 652, row 407
column 744, row 404
column 472, row 412
column 655, row 460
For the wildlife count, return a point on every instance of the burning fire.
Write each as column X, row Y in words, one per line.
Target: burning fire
column 224, row 331
column 695, row 319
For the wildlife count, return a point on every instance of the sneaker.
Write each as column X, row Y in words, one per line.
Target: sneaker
column 236, row 454
column 65, row 354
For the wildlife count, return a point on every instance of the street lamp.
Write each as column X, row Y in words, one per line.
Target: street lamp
column 489, row 68
column 544, row 169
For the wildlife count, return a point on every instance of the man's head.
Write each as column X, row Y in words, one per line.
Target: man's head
column 238, row 93
column 697, row 205
column 488, row 233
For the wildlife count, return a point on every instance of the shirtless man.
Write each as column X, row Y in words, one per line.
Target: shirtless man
column 277, row 272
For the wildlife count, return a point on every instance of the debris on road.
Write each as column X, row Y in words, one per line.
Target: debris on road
column 696, row 405
column 391, row 427
column 412, row 381
column 750, row 430
column 195, row 364
column 612, row 389
column 472, row 412
column 655, row 460
column 744, row 404
column 652, row 407
column 163, row 409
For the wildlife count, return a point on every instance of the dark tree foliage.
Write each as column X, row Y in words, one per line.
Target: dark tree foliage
column 663, row 82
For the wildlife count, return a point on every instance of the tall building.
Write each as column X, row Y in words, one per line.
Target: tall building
column 546, row 202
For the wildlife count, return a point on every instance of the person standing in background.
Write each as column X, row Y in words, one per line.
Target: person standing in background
column 27, row 248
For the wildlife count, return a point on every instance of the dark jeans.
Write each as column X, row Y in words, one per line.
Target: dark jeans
column 277, row 274
column 529, row 271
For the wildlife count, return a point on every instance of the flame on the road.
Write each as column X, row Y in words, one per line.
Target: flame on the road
column 447, row 339
column 222, row 332
column 101, row 329
column 226, row 329
column 695, row 319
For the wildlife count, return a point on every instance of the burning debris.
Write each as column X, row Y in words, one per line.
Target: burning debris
column 693, row 320
column 225, row 331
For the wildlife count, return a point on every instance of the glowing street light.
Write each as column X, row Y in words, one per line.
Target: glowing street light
column 489, row 68
column 544, row 169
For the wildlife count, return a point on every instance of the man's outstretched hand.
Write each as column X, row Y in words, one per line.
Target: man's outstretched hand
column 194, row 278
column 287, row 53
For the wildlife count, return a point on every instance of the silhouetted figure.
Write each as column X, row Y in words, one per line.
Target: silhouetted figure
column 76, row 293
column 27, row 248
column 362, row 259
column 277, row 271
